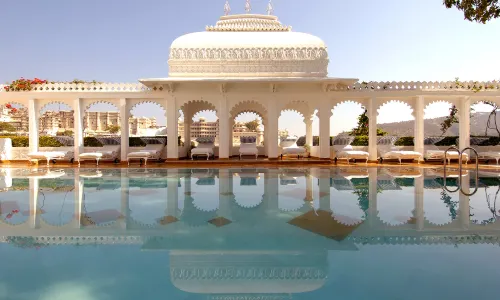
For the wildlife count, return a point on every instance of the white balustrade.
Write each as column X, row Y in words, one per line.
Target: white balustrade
column 359, row 86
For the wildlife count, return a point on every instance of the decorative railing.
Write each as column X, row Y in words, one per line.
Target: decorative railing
column 88, row 87
column 473, row 86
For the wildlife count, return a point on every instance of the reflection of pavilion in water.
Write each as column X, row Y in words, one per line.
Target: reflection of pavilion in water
column 250, row 215
column 195, row 198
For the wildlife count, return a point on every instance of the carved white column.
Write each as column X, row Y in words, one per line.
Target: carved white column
column 231, row 136
column 464, row 122
column 34, row 119
column 419, row 134
column 324, row 129
column 172, row 194
column 223, row 127
column 309, row 188
column 187, row 132
column 372, row 196
column 124, row 128
column 309, row 131
column 464, row 203
column 418, row 212
column 324, row 189
column 271, row 190
column 225, row 193
column 372, row 129
column 272, row 129
column 34, row 184
column 78, row 134
column 78, row 196
column 125, row 200
column 265, row 135
column 172, row 127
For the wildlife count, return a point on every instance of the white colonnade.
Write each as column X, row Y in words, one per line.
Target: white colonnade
column 174, row 96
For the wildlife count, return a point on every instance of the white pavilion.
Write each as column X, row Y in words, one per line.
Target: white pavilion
column 251, row 63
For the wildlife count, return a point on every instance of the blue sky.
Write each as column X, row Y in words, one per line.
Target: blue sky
column 124, row 40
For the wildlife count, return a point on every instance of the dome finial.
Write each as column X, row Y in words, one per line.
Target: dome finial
column 248, row 6
column 227, row 8
column 270, row 8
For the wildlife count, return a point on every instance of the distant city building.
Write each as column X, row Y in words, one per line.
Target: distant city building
column 98, row 123
column 17, row 117
column 139, row 124
column 203, row 128
column 101, row 121
column 95, row 123
column 51, row 122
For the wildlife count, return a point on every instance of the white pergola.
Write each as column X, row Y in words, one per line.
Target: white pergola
column 252, row 63
column 266, row 97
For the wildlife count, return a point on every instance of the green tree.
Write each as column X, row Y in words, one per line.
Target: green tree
column 113, row 129
column 362, row 129
column 480, row 11
column 253, row 125
column 7, row 127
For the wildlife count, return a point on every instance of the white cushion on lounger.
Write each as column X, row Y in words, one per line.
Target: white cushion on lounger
column 439, row 154
column 349, row 152
column 294, row 150
column 249, row 149
column 202, row 150
column 353, row 154
column 489, row 154
column 47, row 154
column 151, row 152
column 91, row 155
column 141, row 154
column 492, row 154
column 402, row 154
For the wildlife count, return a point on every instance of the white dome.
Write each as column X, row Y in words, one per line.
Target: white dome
column 248, row 46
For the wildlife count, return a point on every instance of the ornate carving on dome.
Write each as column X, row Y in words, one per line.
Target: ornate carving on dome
column 239, row 54
column 248, row 22
column 309, row 62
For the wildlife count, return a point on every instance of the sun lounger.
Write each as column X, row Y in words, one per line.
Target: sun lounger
column 248, row 146
column 388, row 151
column 50, row 156
column 487, row 155
column 109, row 153
column 150, row 152
column 344, row 150
column 205, row 147
column 431, row 151
column 289, row 147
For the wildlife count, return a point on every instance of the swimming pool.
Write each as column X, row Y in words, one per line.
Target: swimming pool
column 339, row 233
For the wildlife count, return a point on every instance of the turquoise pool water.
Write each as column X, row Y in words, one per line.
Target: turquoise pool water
column 340, row 233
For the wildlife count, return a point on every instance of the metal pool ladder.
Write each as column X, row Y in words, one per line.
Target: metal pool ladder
column 460, row 171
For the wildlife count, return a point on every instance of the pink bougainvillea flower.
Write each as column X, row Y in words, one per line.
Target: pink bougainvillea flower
column 9, row 216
